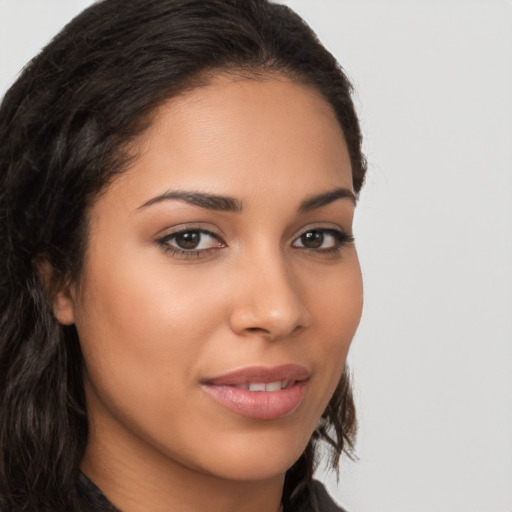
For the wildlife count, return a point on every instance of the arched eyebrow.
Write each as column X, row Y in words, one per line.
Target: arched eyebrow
column 201, row 199
column 319, row 200
column 231, row 204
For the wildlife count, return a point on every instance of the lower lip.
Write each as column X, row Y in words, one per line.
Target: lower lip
column 259, row 405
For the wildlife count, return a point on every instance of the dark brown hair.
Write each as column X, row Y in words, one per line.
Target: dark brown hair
column 64, row 129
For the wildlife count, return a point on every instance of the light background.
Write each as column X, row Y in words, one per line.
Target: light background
column 433, row 356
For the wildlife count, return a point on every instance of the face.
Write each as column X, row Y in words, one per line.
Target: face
column 221, row 287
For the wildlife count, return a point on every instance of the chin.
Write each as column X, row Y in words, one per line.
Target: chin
column 251, row 470
column 256, row 457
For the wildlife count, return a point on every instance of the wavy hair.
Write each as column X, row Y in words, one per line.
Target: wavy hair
column 65, row 126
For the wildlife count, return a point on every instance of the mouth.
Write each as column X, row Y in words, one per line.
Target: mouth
column 278, row 385
column 260, row 392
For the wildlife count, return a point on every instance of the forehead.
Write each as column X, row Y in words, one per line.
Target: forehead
column 236, row 135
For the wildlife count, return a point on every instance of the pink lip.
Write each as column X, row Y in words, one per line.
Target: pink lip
column 263, row 405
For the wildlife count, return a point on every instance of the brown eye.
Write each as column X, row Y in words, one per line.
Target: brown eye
column 191, row 241
column 322, row 240
column 188, row 239
column 312, row 239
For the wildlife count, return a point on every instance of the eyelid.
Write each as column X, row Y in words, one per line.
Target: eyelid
column 164, row 241
column 193, row 226
column 321, row 226
column 342, row 238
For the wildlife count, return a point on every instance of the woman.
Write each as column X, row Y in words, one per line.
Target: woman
column 179, row 282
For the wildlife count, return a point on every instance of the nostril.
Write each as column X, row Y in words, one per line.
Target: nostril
column 257, row 330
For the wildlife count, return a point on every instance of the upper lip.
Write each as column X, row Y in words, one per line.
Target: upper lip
column 260, row 374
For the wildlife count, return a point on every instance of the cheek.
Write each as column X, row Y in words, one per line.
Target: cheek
column 337, row 311
column 142, row 331
column 141, row 305
column 338, row 301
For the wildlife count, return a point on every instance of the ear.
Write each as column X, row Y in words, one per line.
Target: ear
column 64, row 306
column 58, row 291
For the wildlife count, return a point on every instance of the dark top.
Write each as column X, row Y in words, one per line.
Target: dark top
column 309, row 498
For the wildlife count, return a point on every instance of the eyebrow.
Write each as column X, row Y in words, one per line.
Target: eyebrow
column 230, row 204
column 201, row 199
column 325, row 198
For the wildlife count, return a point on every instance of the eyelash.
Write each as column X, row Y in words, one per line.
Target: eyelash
column 341, row 239
column 178, row 252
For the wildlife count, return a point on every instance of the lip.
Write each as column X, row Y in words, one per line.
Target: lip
column 262, row 405
column 265, row 374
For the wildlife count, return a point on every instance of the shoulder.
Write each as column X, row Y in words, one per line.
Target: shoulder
column 91, row 497
column 320, row 497
column 313, row 497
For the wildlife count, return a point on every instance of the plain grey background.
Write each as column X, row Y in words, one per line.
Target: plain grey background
column 432, row 359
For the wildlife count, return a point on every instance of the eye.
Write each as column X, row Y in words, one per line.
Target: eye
column 323, row 239
column 190, row 242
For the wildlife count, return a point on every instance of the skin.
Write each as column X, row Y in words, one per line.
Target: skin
column 153, row 323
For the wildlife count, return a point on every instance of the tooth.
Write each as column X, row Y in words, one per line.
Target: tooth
column 284, row 384
column 257, row 386
column 273, row 386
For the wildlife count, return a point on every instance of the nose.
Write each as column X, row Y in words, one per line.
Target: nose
column 268, row 300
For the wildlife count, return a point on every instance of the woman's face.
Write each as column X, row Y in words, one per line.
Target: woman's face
column 220, row 269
